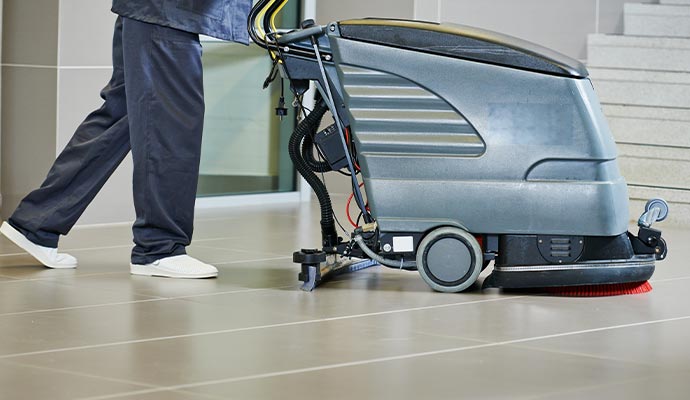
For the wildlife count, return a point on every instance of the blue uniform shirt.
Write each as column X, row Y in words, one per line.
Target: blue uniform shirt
column 223, row 19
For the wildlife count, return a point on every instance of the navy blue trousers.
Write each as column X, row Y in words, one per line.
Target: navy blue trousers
column 154, row 106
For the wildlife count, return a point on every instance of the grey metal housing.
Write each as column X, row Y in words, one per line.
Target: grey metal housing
column 445, row 141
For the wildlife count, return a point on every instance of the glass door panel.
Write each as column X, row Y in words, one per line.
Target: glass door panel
column 244, row 149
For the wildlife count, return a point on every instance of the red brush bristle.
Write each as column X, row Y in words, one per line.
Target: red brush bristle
column 617, row 289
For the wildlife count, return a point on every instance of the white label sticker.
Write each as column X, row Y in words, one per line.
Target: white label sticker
column 403, row 244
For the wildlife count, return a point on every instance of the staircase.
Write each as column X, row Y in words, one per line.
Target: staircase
column 643, row 81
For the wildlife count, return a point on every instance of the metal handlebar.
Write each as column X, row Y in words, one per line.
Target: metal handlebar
column 262, row 29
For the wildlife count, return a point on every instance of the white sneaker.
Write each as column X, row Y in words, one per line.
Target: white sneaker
column 182, row 266
column 47, row 256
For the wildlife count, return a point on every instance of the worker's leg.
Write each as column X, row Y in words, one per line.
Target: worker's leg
column 94, row 152
column 165, row 105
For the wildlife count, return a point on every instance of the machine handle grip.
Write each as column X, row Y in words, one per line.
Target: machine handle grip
column 301, row 34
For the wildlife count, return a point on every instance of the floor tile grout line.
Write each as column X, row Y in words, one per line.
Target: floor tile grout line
column 15, row 280
column 257, row 260
column 258, row 213
column 584, row 355
column 584, row 389
column 257, row 327
column 385, row 359
column 266, row 253
column 153, row 299
column 53, row 279
column 156, row 298
column 81, row 374
column 202, row 395
column 102, row 378
column 66, row 249
column 14, row 314
column 13, row 254
column 269, row 235
column 276, row 257
column 243, row 216
column 680, row 278
column 70, row 249
column 195, row 241
column 128, row 224
column 247, row 290
column 119, row 246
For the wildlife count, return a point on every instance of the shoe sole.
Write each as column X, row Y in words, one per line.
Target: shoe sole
column 25, row 244
column 146, row 270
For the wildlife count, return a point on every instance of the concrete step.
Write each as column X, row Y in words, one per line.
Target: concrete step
column 676, row 2
column 642, row 88
column 657, row 20
column 637, row 52
column 649, row 125
column 645, row 193
column 655, row 166
column 678, row 201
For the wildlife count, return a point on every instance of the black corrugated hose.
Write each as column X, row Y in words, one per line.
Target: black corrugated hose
column 308, row 142
column 310, row 124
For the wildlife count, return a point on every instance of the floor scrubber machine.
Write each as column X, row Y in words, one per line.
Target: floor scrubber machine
column 470, row 145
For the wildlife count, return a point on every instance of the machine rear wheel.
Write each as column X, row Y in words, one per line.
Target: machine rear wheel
column 449, row 259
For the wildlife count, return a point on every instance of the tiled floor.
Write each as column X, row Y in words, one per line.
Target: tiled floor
column 99, row 333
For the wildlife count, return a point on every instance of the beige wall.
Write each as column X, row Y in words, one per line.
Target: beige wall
column 1, row 6
column 29, row 84
column 336, row 10
column 56, row 59
column 559, row 24
column 562, row 25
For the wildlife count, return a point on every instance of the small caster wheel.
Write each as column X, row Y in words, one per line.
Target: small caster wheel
column 449, row 259
column 659, row 203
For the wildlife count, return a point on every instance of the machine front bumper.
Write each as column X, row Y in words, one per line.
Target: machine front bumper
column 638, row 269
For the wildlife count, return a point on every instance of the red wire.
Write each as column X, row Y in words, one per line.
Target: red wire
column 352, row 195
column 347, row 207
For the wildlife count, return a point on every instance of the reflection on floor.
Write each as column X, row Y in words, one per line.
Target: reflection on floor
column 214, row 185
column 99, row 333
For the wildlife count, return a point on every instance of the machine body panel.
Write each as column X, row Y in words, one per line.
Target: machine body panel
column 459, row 145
